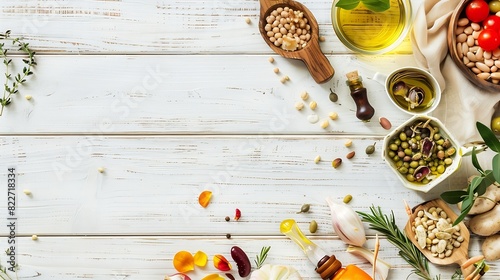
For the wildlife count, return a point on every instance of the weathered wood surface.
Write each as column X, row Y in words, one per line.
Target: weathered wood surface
column 172, row 98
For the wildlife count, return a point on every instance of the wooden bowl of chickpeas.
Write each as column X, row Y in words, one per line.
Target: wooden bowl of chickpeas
column 474, row 40
column 291, row 30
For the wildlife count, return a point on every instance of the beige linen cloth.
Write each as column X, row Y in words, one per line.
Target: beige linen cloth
column 462, row 103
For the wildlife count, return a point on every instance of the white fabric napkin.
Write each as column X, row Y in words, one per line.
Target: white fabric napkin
column 462, row 103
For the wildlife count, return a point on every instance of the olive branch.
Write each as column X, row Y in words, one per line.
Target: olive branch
column 12, row 82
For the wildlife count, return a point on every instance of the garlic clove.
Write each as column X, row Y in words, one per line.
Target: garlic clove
column 382, row 267
column 275, row 272
column 346, row 223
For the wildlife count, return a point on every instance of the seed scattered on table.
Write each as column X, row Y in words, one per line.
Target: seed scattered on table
column 305, row 208
column 271, row 60
column 28, row 97
column 100, row 169
column 317, row 159
column 283, row 80
column 276, row 70
column 299, row 106
column 304, row 95
column 325, row 124
column 350, row 154
column 333, row 115
column 347, row 198
column 27, row 192
column 313, row 118
column 385, row 123
column 34, row 237
column 228, row 236
column 227, row 218
column 248, row 20
column 336, row 162
column 322, row 38
column 313, row 105
column 348, row 143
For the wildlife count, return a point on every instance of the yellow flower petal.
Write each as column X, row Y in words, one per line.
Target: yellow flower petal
column 213, row 277
column 200, row 259
column 183, row 261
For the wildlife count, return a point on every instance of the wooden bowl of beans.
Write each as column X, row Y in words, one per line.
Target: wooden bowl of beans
column 472, row 42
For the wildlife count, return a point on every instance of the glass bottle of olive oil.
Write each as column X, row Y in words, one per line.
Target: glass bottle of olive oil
column 371, row 32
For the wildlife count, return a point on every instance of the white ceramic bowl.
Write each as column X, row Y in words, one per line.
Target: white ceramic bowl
column 418, row 186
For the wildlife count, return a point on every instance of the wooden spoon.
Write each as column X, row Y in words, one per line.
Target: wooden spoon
column 317, row 63
column 459, row 255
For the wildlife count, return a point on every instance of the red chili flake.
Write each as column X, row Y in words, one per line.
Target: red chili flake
column 237, row 216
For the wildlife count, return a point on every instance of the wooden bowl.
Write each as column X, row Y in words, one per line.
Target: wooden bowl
column 460, row 255
column 457, row 14
column 318, row 65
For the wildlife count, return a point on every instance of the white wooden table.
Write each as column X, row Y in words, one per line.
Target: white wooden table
column 171, row 98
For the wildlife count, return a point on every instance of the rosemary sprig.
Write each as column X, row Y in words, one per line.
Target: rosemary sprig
column 387, row 226
column 261, row 258
column 12, row 83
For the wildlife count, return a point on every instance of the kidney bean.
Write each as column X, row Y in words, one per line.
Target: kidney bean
column 242, row 261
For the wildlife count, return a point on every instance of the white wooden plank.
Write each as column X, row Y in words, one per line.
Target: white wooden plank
column 160, row 26
column 193, row 94
column 151, row 257
column 151, row 184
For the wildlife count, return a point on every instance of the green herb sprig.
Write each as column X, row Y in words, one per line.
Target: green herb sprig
column 12, row 82
column 261, row 258
column 479, row 184
column 387, row 226
column 372, row 5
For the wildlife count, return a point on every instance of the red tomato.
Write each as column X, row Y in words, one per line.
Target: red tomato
column 492, row 22
column 488, row 39
column 477, row 10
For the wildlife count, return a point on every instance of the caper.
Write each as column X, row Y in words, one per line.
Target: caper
column 313, row 226
column 305, row 208
column 370, row 149
column 333, row 96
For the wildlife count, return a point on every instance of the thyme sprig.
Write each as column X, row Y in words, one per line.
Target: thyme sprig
column 12, row 82
column 261, row 258
column 387, row 226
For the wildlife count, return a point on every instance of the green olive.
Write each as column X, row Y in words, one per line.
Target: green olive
column 494, row 6
column 440, row 169
column 393, row 147
column 495, row 122
column 414, row 164
column 402, row 136
column 313, row 226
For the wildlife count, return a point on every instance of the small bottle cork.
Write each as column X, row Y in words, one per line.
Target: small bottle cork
column 351, row 76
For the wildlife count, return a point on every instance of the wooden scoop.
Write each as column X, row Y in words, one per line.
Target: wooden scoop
column 317, row 63
column 459, row 255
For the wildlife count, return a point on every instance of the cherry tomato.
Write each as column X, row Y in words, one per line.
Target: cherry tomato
column 488, row 39
column 492, row 22
column 477, row 10
column 494, row 6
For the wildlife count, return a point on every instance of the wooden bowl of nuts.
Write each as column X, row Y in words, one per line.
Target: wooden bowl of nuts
column 471, row 45
column 430, row 228
column 291, row 30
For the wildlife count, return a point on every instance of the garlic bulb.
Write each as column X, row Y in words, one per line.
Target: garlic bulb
column 346, row 223
column 275, row 272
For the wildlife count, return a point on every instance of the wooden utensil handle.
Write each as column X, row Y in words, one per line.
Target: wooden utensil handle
column 319, row 66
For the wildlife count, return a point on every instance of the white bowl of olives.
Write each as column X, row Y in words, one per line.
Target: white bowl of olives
column 423, row 153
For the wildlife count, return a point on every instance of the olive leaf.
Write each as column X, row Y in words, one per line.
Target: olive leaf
column 373, row 5
column 347, row 4
column 496, row 167
column 475, row 162
column 489, row 137
column 453, row 197
column 377, row 5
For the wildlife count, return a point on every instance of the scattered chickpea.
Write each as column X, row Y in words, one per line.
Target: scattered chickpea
column 333, row 115
column 313, row 105
column 304, row 95
column 100, row 169
column 276, row 70
column 271, row 60
column 27, row 192
column 348, row 143
column 322, row 38
column 287, row 78
column 299, row 106
column 28, row 97
column 283, row 80
column 34, row 237
column 248, row 20
column 317, row 159
column 325, row 124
